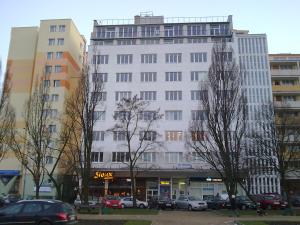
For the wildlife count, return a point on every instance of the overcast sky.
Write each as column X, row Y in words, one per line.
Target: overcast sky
column 279, row 19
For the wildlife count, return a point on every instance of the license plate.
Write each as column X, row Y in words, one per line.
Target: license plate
column 168, row 204
column 72, row 217
column 115, row 205
column 277, row 203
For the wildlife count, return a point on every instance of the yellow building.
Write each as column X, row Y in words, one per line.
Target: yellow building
column 57, row 48
column 285, row 72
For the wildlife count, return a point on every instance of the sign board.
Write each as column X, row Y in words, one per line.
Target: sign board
column 107, row 175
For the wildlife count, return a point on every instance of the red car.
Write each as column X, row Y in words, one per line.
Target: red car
column 271, row 201
column 112, row 202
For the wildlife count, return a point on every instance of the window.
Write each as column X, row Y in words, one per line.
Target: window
column 148, row 76
column 97, row 157
column 148, row 95
column 51, row 41
column 50, row 113
column 58, row 69
column 12, row 209
column 195, row 30
column 173, row 40
column 56, row 83
column 126, row 42
column 173, row 57
column 195, row 157
column 60, row 41
column 46, row 97
column 173, row 157
column 99, row 77
column 119, row 135
column 99, row 96
column 49, row 159
column 151, row 41
column 98, row 135
column 197, row 135
column 148, row 58
column 49, row 55
column 124, row 59
column 150, row 31
column 173, row 115
column 197, row 40
column 99, row 115
column 199, row 95
column 54, row 97
column 128, row 31
column 52, row 128
column 122, row 94
column 148, row 157
column 173, row 30
column 197, row 57
column 219, row 29
column 148, row 115
column 48, row 69
column 59, row 55
column 199, row 115
column 122, row 115
column 100, row 59
column 105, row 32
column 46, row 83
column 174, row 135
column 223, row 56
column 148, row 135
column 173, row 76
column 61, row 28
column 198, row 75
column 31, row 207
column 52, row 28
column 120, row 156
column 173, row 95
column 123, row 77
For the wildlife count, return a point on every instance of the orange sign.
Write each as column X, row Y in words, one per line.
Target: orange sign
column 103, row 175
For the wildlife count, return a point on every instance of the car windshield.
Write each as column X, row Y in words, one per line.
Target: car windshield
column 269, row 197
column 112, row 198
column 193, row 198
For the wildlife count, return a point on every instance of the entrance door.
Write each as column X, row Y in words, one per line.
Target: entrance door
column 151, row 193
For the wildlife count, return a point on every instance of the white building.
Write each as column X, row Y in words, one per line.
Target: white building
column 162, row 60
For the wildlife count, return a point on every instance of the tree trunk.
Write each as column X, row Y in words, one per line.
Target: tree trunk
column 37, row 188
column 132, row 186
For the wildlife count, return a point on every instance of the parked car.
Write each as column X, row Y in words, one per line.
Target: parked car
column 214, row 202
column 242, row 203
column 41, row 212
column 2, row 202
column 78, row 203
column 271, row 201
column 11, row 198
column 161, row 203
column 190, row 203
column 127, row 202
column 111, row 201
column 296, row 201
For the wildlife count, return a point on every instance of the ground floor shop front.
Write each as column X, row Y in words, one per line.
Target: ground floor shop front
column 150, row 184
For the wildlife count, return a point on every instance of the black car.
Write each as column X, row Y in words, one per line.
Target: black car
column 162, row 203
column 215, row 202
column 296, row 201
column 242, row 203
column 38, row 212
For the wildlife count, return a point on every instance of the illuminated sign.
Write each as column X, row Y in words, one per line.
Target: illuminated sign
column 213, row 179
column 103, row 175
column 165, row 182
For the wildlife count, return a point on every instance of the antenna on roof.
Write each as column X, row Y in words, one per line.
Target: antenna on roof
column 148, row 13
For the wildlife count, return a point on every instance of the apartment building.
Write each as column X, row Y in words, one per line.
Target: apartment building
column 162, row 60
column 55, row 48
column 285, row 72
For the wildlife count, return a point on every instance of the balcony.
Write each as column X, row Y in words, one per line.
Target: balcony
column 286, row 88
column 287, row 104
column 285, row 73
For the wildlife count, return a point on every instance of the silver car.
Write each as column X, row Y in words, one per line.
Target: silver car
column 190, row 203
column 127, row 202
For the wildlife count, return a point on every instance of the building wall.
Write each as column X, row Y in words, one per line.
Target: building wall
column 27, row 59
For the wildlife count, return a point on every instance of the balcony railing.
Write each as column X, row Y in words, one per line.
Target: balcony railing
column 287, row 104
column 285, row 73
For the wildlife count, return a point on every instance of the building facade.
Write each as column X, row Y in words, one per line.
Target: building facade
column 162, row 60
column 55, row 48
column 285, row 71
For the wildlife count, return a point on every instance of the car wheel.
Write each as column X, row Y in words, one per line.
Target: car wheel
column 123, row 206
column 190, row 208
column 141, row 206
column 45, row 223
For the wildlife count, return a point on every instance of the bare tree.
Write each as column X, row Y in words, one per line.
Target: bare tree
column 32, row 146
column 81, row 117
column 280, row 137
column 217, row 135
column 7, row 118
column 135, row 124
